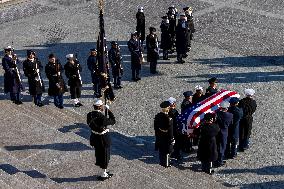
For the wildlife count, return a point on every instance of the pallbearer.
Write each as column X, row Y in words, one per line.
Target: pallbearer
column 12, row 77
column 32, row 69
column 212, row 89
column 72, row 71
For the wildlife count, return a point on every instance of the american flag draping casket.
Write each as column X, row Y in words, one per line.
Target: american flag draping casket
column 192, row 117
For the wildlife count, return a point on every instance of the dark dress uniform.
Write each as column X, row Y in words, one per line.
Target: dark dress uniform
column 57, row 86
column 207, row 148
column 185, row 105
column 100, row 137
column 224, row 120
column 166, row 42
column 95, row 74
column 177, row 133
column 72, row 72
column 32, row 69
column 210, row 91
column 163, row 126
column 197, row 98
column 233, row 133
column 136, row 57
column 172, row 26
column 12, row 78
column 181, row 39
column 249, row 107
column 140, row 27
column 115, row 60
column 152, row 45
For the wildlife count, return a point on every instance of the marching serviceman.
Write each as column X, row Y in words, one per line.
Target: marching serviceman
column 224, row 120
column 136, row 56
column 163, row 126
column 181, row 38
column 212, row 89
column 95, row 73
column 72, row 71
column 234, row 129
column 57, row 87
column 12, row 77
column 166, row 42
column 198, row 95
column 152, row 45
column 207, row 148
column 248, row 104
column 140, row 27
column 115, row 60
column 98, row 120
column 32, row 68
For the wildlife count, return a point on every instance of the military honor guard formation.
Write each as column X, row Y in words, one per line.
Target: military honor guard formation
column 222, row 132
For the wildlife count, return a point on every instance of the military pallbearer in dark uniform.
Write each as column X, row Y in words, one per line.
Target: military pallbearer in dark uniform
column 163, row 126
column 72, row 71
column 152, row 45
column 207, row 148
column 100, row 137
column 224, row 120
column 57, row 85
column 198, row 95
column 181, row 38
column 32, row 68
column 212, row 89
column 12, row 77
column 115, row 60
column 248, row 104
column 135, row 49
column 95, row 73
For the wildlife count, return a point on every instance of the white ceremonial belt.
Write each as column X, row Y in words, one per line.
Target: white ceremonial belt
column 102, row 133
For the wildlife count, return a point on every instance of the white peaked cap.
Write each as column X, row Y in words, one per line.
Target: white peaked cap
column 198, row 87
column 98, row 102
column 171, row 100
column 140, row 8
column 225, row 104
column 8, row 47
column 249, row 92
column 70, row 56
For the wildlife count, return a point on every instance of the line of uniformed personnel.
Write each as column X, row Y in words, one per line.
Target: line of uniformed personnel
column 220, row 135
column 32, row 68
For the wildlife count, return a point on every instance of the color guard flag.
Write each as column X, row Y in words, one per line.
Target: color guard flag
column 192, row 117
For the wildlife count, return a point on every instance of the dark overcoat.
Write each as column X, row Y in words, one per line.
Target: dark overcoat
column 11, row 82
column 36, row 84
column 181, row 37
column 233, row 133
column 94, row 69
column 249, row 107
column 136, row 52
column 140, row 27
column 207, row 148
column 166, row 42
column 51, row 73
column 71, row 72
column 98, row 122
column 152, row 48
column 115, row 60
column 163, row 126
column 196, row 98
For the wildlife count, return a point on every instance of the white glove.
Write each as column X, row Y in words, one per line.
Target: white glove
column 37, row 70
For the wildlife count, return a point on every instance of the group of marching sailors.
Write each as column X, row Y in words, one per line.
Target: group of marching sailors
column 220, row 136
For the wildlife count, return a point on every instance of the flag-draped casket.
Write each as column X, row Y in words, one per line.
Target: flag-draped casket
column 192, row 117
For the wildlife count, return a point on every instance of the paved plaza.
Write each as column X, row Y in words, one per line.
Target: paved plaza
column 241, row 42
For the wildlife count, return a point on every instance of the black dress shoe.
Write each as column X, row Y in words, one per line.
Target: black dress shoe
column 80, row 104
column 60, row 107
column 40, row 104
column 134, row 79
column 100, row 178
column 18, row 102
column 138, row 78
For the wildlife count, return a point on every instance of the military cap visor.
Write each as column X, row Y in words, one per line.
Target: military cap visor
column 30, row 52
column 185, row 8
column 164, row 17
column 165, row 104
column 51, row 56
column 212, row 80
column 93, row 49
column 188, row 93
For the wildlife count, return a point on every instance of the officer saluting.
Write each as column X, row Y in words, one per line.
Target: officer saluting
column 12, row 78
column 163, row 126
column 100, row 137
column 72, row 71
column 32, row 68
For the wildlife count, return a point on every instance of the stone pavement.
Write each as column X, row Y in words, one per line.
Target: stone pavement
column 240, row 42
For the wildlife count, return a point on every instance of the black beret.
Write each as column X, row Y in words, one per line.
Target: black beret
column 212, row 80
column 234, row 100
column 188, row 93
column 51, row 55
column 165, row 104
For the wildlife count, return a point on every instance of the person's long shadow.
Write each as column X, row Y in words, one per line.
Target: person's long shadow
column 269, row 185
column 268, row 170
